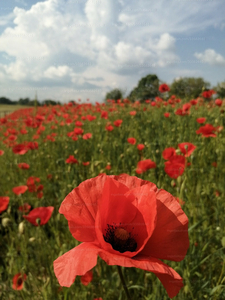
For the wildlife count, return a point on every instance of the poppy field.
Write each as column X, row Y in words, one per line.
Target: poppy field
column 118, row 150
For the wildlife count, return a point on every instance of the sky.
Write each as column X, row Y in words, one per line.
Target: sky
column 69, row 49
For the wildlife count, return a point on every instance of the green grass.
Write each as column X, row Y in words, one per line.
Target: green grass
column 34, row 249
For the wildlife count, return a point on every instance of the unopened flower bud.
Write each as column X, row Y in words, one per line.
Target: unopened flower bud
column 21, row 228
column 5, row 222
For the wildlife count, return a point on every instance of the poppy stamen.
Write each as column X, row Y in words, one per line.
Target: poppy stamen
column 120, row 239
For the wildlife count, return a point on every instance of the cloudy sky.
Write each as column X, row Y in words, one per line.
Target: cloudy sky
column 70, row 49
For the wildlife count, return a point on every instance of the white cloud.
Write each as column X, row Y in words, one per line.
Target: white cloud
column 211, row 57
column 70, row 41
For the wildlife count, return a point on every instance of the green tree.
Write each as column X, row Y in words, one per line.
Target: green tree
column 148, row 87
column 114, row 94
column 24, row 101
column 188, row 87
column 220, row 89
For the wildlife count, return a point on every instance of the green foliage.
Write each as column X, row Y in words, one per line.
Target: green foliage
column 147, row 88
column 114, row 94
column 4, row 100
column 220, row 89
column 188, row 87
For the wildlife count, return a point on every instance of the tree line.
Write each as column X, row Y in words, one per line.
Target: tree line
column 183, row 87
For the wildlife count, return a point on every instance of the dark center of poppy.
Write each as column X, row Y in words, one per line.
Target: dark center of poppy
column 120, row 239
column 19, row 281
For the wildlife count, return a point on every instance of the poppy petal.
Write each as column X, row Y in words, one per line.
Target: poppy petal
column 80, row 207
column 170, row 279
column 75, row 262
column 170, row 238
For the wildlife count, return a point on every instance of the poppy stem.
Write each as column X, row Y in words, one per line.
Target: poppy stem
column 123, row 282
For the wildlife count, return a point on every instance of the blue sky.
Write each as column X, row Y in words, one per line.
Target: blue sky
column 70, row 49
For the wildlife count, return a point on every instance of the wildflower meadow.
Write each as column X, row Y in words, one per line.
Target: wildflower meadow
column 113, row 200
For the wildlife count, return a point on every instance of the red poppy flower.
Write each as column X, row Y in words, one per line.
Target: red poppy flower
column 164, row 88
column 193, row 102
column 104, row 115
column 153, row 103
column 131, row 140
column 127, row 222
column 90, row 117
column 78, row 131
column 207, row 130
column 86, row 278
column 145, row 165
column 117, row 123
column 133, row 112
column 42, row 213
column 20, row 149
column 140, row 147
column 218, row 102
column 18, row 280
column 187, row 148
column 4, row 202
column 166, row 115
column 18, row 190
column 201, row 120
column 208, row 94
column 168, row 153
column 109, row 127
column 23, row 166
column 79, row 123
column 24, row 208
column 175, row 166
column 108, row 167
column 87, row 163
column 87, row 136
column 1, row 152
column 71, row 160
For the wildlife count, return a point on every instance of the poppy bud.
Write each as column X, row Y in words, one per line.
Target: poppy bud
column 5, row 222
column 31, row 239
column 21, row 228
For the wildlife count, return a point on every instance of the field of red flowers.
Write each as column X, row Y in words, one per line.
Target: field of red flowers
column 46, row 152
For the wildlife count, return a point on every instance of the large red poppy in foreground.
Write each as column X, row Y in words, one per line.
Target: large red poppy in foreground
column 128, row 222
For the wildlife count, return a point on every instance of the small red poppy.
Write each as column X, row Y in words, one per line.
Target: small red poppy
column 187, row 148
column 175, row 166
column 42, row 213
column 108, row 167
column 218, row 102
column 109, row 127
column 131, row 140
column 164, row 88
column 71, row 160
column 201, row 120
column 23, row 166
column 87, row 136
column 166, row 115
column 133, row 112
column 207, row 131
column 86, row 278
column 168, row 153
column 145, row 165
column 140, row 147
column 18, row 190
column 1, row 152
column 118, row 123
column 87, row 163
column 4, row 202
column 18, row 280
column 20, row 149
